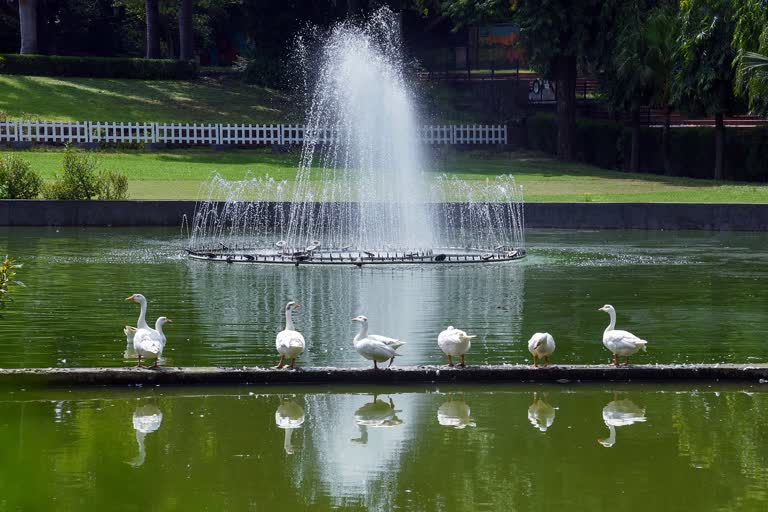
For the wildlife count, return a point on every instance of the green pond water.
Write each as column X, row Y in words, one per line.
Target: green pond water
column 695, row 296
column 630, row 448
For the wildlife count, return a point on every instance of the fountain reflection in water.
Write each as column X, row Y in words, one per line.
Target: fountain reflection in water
column 360, row 194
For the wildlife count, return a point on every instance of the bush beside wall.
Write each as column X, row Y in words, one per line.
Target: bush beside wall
column 97, row 67
column 17, row 179
column 607, row 144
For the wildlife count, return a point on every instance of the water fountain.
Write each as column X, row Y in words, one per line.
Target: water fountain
column 360, row 195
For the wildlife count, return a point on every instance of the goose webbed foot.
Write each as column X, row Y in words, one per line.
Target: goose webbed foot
column 280, row 364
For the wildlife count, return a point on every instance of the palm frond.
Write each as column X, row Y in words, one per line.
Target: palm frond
column 750, row 61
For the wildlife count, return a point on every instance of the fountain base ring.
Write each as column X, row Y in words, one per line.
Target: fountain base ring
column 357, row 258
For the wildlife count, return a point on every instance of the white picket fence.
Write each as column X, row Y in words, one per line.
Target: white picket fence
column 59, row 132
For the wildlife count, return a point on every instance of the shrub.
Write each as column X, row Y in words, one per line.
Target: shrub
column 542, row 133
column 17, row 179
column 692, row 150
column 113, row 186
column 97, row 67
column 264, row 69
column 7, row 273
column 78, row 180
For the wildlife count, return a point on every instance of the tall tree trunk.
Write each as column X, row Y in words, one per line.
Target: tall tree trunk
column 565, row 69
column 665, row 140
column 719, row 146
column 186, row 36
column 28, row 24
column 153, row 29
column 634, row 159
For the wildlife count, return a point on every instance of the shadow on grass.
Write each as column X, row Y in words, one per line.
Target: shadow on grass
column 481, row 164
column 96, row 99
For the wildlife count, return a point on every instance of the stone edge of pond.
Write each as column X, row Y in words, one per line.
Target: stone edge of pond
column 564, row 374
column 586, row 215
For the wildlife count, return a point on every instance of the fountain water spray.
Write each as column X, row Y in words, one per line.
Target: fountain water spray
column 360, row 194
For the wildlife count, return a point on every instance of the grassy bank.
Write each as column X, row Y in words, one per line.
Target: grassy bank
column 96, row 99
column 179, row 174
column 206, row 100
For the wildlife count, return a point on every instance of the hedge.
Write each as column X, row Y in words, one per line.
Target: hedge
column 97, row 67
column 692, row 150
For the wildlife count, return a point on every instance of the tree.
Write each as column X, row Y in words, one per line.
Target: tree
column 557, row 34
column 153, row 29
column 28, row 23
column 661, row 31
column 751, row 41
column 640, row 72
column 704, row 81
column 186, row 35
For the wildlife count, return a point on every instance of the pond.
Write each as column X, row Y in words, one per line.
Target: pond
column 695, row 296
column 629, row 448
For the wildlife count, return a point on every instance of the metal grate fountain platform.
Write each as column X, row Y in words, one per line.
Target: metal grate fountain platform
column 344, row 256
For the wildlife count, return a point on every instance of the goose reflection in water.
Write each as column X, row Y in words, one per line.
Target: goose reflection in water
column 146, row 419
column 455, row 413
column 620, row 413
column 375, row 414
column 541, row 414
column 289, row 416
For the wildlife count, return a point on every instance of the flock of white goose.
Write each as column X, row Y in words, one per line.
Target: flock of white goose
column 148, row 343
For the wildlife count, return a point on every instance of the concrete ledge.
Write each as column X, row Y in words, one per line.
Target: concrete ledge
column 405, row 375
column 703, row 216
column 728, row 217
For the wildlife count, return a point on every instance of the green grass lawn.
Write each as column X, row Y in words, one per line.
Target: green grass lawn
column 179, row 174
column 225, row 100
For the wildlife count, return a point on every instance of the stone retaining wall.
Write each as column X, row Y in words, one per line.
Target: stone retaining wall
column 733, row 217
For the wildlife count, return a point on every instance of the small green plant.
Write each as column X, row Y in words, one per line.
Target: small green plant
column 78, row 180
column 113, row 186
column 7, row 273
column 17, row 179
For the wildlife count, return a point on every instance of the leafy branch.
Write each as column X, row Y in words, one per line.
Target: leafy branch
column 7, row 273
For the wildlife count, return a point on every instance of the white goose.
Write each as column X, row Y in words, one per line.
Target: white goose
column 374, row 347
column 454, row 343
column 541, row 345
column 620, row 343
column 146, row 419
column 289, row 342
column 620, row 413
column 289, row 416
column 149, row 343
column 129, row 331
